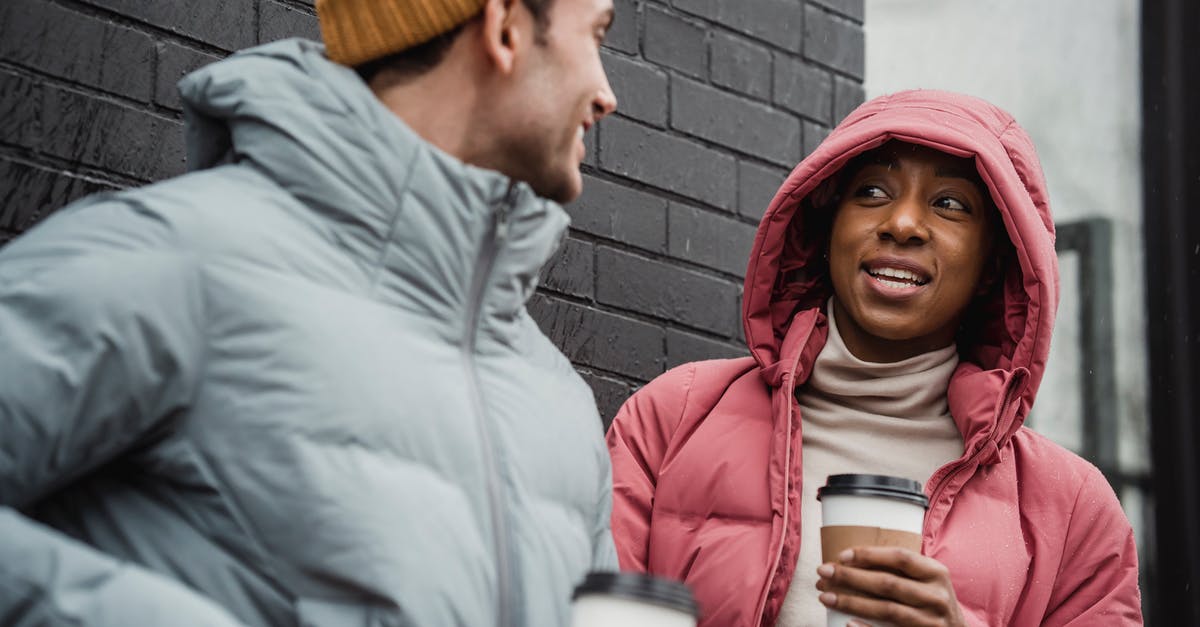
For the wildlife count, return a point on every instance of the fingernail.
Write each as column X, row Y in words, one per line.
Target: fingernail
column 825, row 570
column 828, row 598
column 855, row 623
column 846, row 555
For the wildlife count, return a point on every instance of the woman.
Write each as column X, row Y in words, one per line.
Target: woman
column 898, row 308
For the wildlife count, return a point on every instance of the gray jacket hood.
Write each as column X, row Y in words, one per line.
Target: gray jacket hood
column 313, row 127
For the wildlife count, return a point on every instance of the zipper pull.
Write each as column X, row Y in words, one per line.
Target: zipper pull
column 506, row 206
column 502, row 223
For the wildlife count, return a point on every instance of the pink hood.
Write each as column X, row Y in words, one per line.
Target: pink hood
column 707, row 469
column 1015, row 347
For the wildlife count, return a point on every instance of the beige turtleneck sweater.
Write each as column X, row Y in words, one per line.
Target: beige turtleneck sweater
column 864, row 417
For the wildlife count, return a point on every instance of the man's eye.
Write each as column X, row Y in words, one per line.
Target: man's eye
column 953, row 204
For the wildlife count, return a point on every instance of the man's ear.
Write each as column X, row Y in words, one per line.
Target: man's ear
column 501, row 33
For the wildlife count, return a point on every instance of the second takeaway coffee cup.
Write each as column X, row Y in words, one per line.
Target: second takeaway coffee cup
column 606, row 599
column 869, row 510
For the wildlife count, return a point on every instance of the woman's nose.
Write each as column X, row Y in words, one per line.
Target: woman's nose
column 906, row 222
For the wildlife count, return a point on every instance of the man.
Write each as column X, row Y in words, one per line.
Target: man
column 299, row 385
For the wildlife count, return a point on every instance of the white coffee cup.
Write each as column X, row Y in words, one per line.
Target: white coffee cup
column 869, row 510
column 607, row 599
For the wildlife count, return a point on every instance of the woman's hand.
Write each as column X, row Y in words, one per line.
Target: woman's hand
column 892, row 585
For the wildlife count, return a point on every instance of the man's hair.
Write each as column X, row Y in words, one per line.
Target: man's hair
column 419, row 59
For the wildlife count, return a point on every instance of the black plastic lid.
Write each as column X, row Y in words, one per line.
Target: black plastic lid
column 640, row 587
column 874, row 485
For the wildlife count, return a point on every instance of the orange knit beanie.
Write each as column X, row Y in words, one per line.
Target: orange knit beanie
column 357, row 31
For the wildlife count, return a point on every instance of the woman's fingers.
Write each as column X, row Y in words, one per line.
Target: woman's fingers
column 879, row 610
column 890, row 584
column 898, row 560
column 884, row 585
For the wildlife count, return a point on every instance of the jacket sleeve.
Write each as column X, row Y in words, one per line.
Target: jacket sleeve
column 100, row 340
column 637, row 442
column 604, row 552
column 1097, row 583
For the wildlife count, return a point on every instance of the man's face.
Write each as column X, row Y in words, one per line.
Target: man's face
column 910, row 241
column 561, row 90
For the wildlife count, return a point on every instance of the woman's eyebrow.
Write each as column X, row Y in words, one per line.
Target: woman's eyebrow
column 956, row 172
column 889, row 162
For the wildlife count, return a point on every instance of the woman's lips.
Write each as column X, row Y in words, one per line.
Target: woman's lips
column 898, row 269
column 894, row 282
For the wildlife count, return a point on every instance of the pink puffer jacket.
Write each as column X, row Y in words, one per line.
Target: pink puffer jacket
column 706, row 458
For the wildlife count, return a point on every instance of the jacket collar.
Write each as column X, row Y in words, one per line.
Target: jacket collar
column 985, row 404
column 422, row 225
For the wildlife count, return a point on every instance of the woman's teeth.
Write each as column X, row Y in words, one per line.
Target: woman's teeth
column 896, row 277
column 895, row 284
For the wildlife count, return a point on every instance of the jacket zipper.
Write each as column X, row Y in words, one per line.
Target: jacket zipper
column 484, row 265
column 1011, row 395
column 789, row 389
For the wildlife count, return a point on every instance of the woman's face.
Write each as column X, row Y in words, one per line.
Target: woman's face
column 910, row 241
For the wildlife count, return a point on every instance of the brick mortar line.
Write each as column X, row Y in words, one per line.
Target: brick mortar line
column 759, row 161
column 157, row 33
column 257, row 19
column 595, row 306
column 640, row 27
column 608, row 374
column 707, row 82
column 18, row 155
column 729, row 342
column 832, row 11
column 58, row 165
column 837, row 72
column 669, row 119
column 650, row 190
column 715, row 26
column 668, row 195
column 88, row 91
column 707, row 143
column 856, row 23
column 770, row 104
column 297, row 5
column 640, row 316
column 667, row 258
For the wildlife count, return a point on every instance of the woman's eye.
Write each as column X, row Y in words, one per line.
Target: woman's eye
column 946, row 202
column 871, row 191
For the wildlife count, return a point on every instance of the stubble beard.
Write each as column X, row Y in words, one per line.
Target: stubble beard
column 540, row 162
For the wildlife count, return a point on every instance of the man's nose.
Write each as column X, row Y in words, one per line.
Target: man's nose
column 605, row 101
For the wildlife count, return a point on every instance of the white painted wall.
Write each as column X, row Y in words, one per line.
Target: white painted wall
column 1069, row 71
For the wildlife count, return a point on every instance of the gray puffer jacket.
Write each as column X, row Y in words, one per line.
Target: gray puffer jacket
column 297, row 386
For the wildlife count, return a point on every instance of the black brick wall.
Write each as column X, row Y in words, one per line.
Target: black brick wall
column 719, row 99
